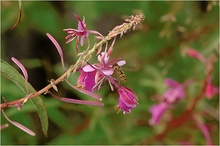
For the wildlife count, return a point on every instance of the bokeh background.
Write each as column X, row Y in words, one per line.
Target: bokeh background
column 155, row 51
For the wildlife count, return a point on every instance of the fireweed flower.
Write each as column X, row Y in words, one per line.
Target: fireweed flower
column 127, row 100
column 175, row 91
column 157, row 112
column 81, row 31
column 86, row 79
column 93, row 76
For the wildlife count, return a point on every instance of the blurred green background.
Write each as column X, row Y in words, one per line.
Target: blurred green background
column 156, row 50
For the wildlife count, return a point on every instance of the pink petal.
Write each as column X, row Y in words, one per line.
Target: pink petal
column 157, row 112
column 76, row 101
column 103, row 57
column 58, row 48
column 24, row 71
column 4, row 126
column 88, row 68
column 195, row 54
column 108, row 72
column 122, row 62
column 79, row 20
column 25, row 129
column 85, row 91
column 204, row 129
column 171, row 82
column 82, row 40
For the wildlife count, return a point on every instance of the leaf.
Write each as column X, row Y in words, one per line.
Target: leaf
column 12, row 74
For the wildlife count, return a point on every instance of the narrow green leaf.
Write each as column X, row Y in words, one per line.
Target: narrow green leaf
column 12, row 74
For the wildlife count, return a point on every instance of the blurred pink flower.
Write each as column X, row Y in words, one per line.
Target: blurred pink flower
column 175, row 91
column 210, row 90
column 194, row 54
column 127, row 99
column 157, row 112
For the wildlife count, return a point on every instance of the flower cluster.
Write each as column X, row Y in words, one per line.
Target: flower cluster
column 210, row 90
column 174, row 93
column 92, row 76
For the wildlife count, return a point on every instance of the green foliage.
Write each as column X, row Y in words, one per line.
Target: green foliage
column 12, row 74
column 155, row 51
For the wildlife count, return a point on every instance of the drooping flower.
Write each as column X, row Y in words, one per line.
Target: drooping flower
column 127, row 100
column 175, row 91
column 157, row 112
column 86, row 80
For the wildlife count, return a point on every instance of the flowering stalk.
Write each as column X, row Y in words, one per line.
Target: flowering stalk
column 132, row 22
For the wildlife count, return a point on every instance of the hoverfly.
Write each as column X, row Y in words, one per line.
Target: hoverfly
column 119, row 71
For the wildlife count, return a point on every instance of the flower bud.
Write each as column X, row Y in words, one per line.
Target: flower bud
column 127, row 99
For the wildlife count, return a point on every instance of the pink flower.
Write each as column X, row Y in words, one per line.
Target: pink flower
column 76, row 33
column 175, row 91
column 93, row 76
column 86, row 80
column 127, row 99
column 81, row 31
column 210, row 90
column 157, row 112
column 194, row 54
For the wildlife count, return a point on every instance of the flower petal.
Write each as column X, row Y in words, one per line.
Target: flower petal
column 89, row 68
column 122, row 62
column 59, row 49
column 24, row 71
column 25, row 129
column 171, row 83
column 103, row 57
column 76, row 101
column 108, row 72
column 157, row 112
